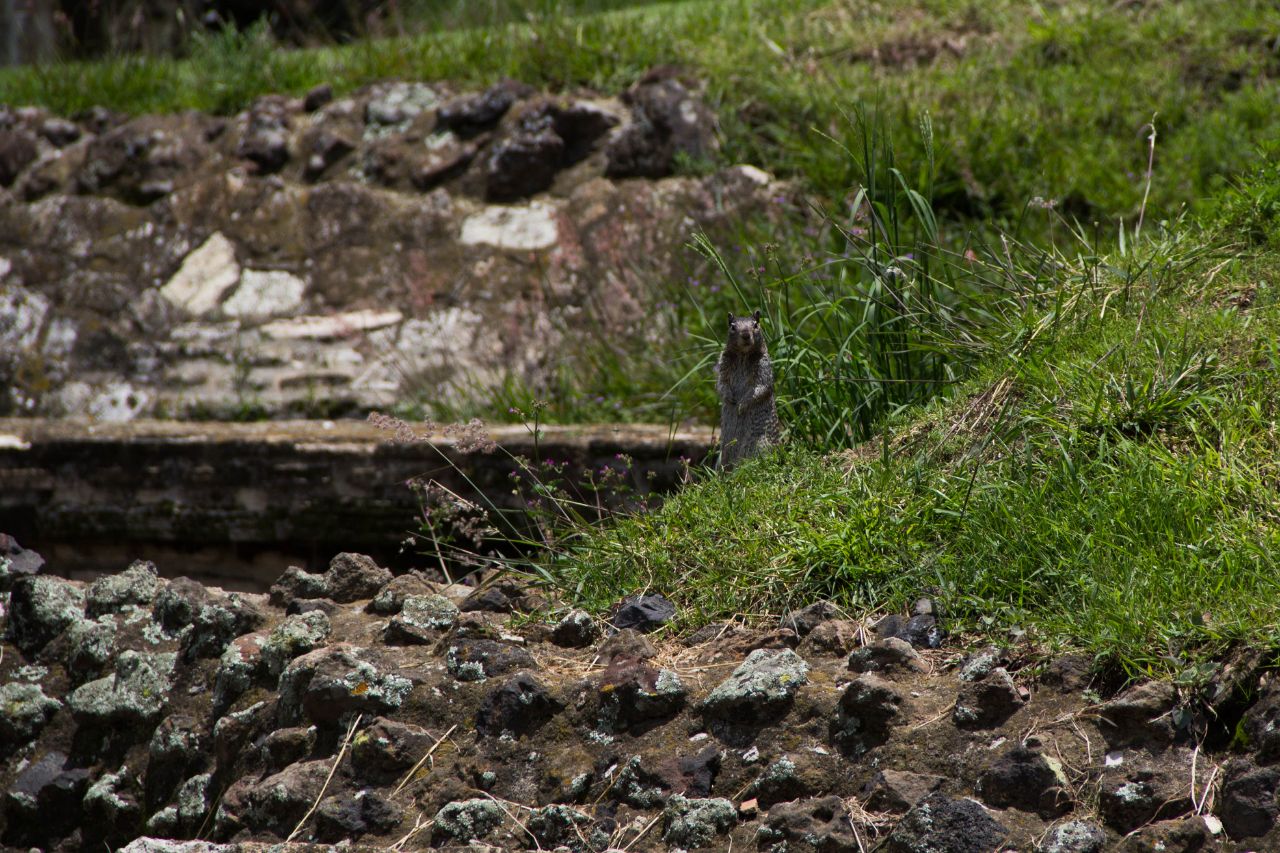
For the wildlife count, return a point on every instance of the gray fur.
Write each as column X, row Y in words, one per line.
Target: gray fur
column 744, row 379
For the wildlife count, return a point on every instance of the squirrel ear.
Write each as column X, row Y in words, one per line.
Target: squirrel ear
column 730, row 318
column 756, row 316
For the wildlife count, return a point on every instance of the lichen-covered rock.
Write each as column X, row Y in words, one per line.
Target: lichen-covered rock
column 91, row 646
column 1130, row 797
column 349, row 816
column 638, row 786
column 696, row 823
column 557, row 824
column 806, row 619
column 218, row 622
column 421, row 619
column 297, row 583
column 237, row 668
column 388, row 748
column 887, row 655
column 897, row 791
column 575, row 630
column 279, row 802
column 987, row 702
column 633, row 692
column 132, row 699
column 519, row 706
column 283, row 747
column 353, row 577
column 112, row 808
column 796, row 776
column 832, row 638
column 1024, row 779
column 175, row 751
column 762, row 686
column 939, row 824
column 328, row 685
column 194, row 801
column 295, row 636
column 812, row 826
column 391, row 597
column 468, row 820
column 1074, row 836
column 177, row 604
column 16, row 561
column 137, row 585
column 868, row 710
column 41, row 608
column 24, row 710
column 476, row 660
column 233, row 731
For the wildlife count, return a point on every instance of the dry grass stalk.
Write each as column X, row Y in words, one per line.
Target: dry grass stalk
column 346, row 742
column 408, row 776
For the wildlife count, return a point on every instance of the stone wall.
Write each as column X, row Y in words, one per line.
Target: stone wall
column 322, row 257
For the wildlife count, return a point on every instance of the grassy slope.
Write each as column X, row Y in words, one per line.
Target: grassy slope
column 1107, row 482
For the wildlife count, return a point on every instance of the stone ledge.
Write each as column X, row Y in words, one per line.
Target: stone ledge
column 241, row 501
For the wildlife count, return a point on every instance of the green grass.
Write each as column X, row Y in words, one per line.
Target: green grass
column 1106, row 482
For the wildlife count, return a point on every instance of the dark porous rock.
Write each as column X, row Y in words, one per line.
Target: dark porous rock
column 581, row 125
column 524, row 162
column 869, row 709
column 329, row 685
column 24, row 710
column 469, row 115
column 761, row 688
column 1141, row 795
column 809, row 826
column 422, row 619
column 176, row 750
column 238, row 668
column 344, row 816
column 387, row 748
column 479, row 625
column 45, row 802
column 519, row 706
column 979, row 664
column 1139, row 716
column 644, row 613
column 468, row 820
column 317, row 97
column 1247, row 803
column 303, row 606
column 490, row 599
column 804, row 620
column 1074, row 836
column 146, row 158
column 323, row 148
column 640, row 787
column 283, row 747
column 279, row 802
column 195, row 800
column 696, row 822
column 217, row 623
column 627, row 644
column 296, row 635
column 130, row 702
column 136, row 585
column 353, row 577
column 1024, row 779
column 1069, row 673
column 16, row 561
column 297, row 583
column 575, row 630
column 91, row 647
column 554, row 825
column 922, row 630
column 693, row 775
column 41, row 608
column 266, row 138
column 177, row 604
column 18, row 150
column 391, row 597
column 633, row 692
column 833, row 638
column 987, row 702
column 111, row 808
column 940, row 824
column 667, row 119
column 476, row 660
column 794, row 777
column 59, row 131
column 1261, row 725
column 888, row 655
column 233, row 731
column 1186, row 835
column 898, row 791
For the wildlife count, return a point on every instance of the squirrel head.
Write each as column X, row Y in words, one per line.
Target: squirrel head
column 745, row 334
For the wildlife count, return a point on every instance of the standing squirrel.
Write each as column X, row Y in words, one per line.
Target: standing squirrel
column 744, row 379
